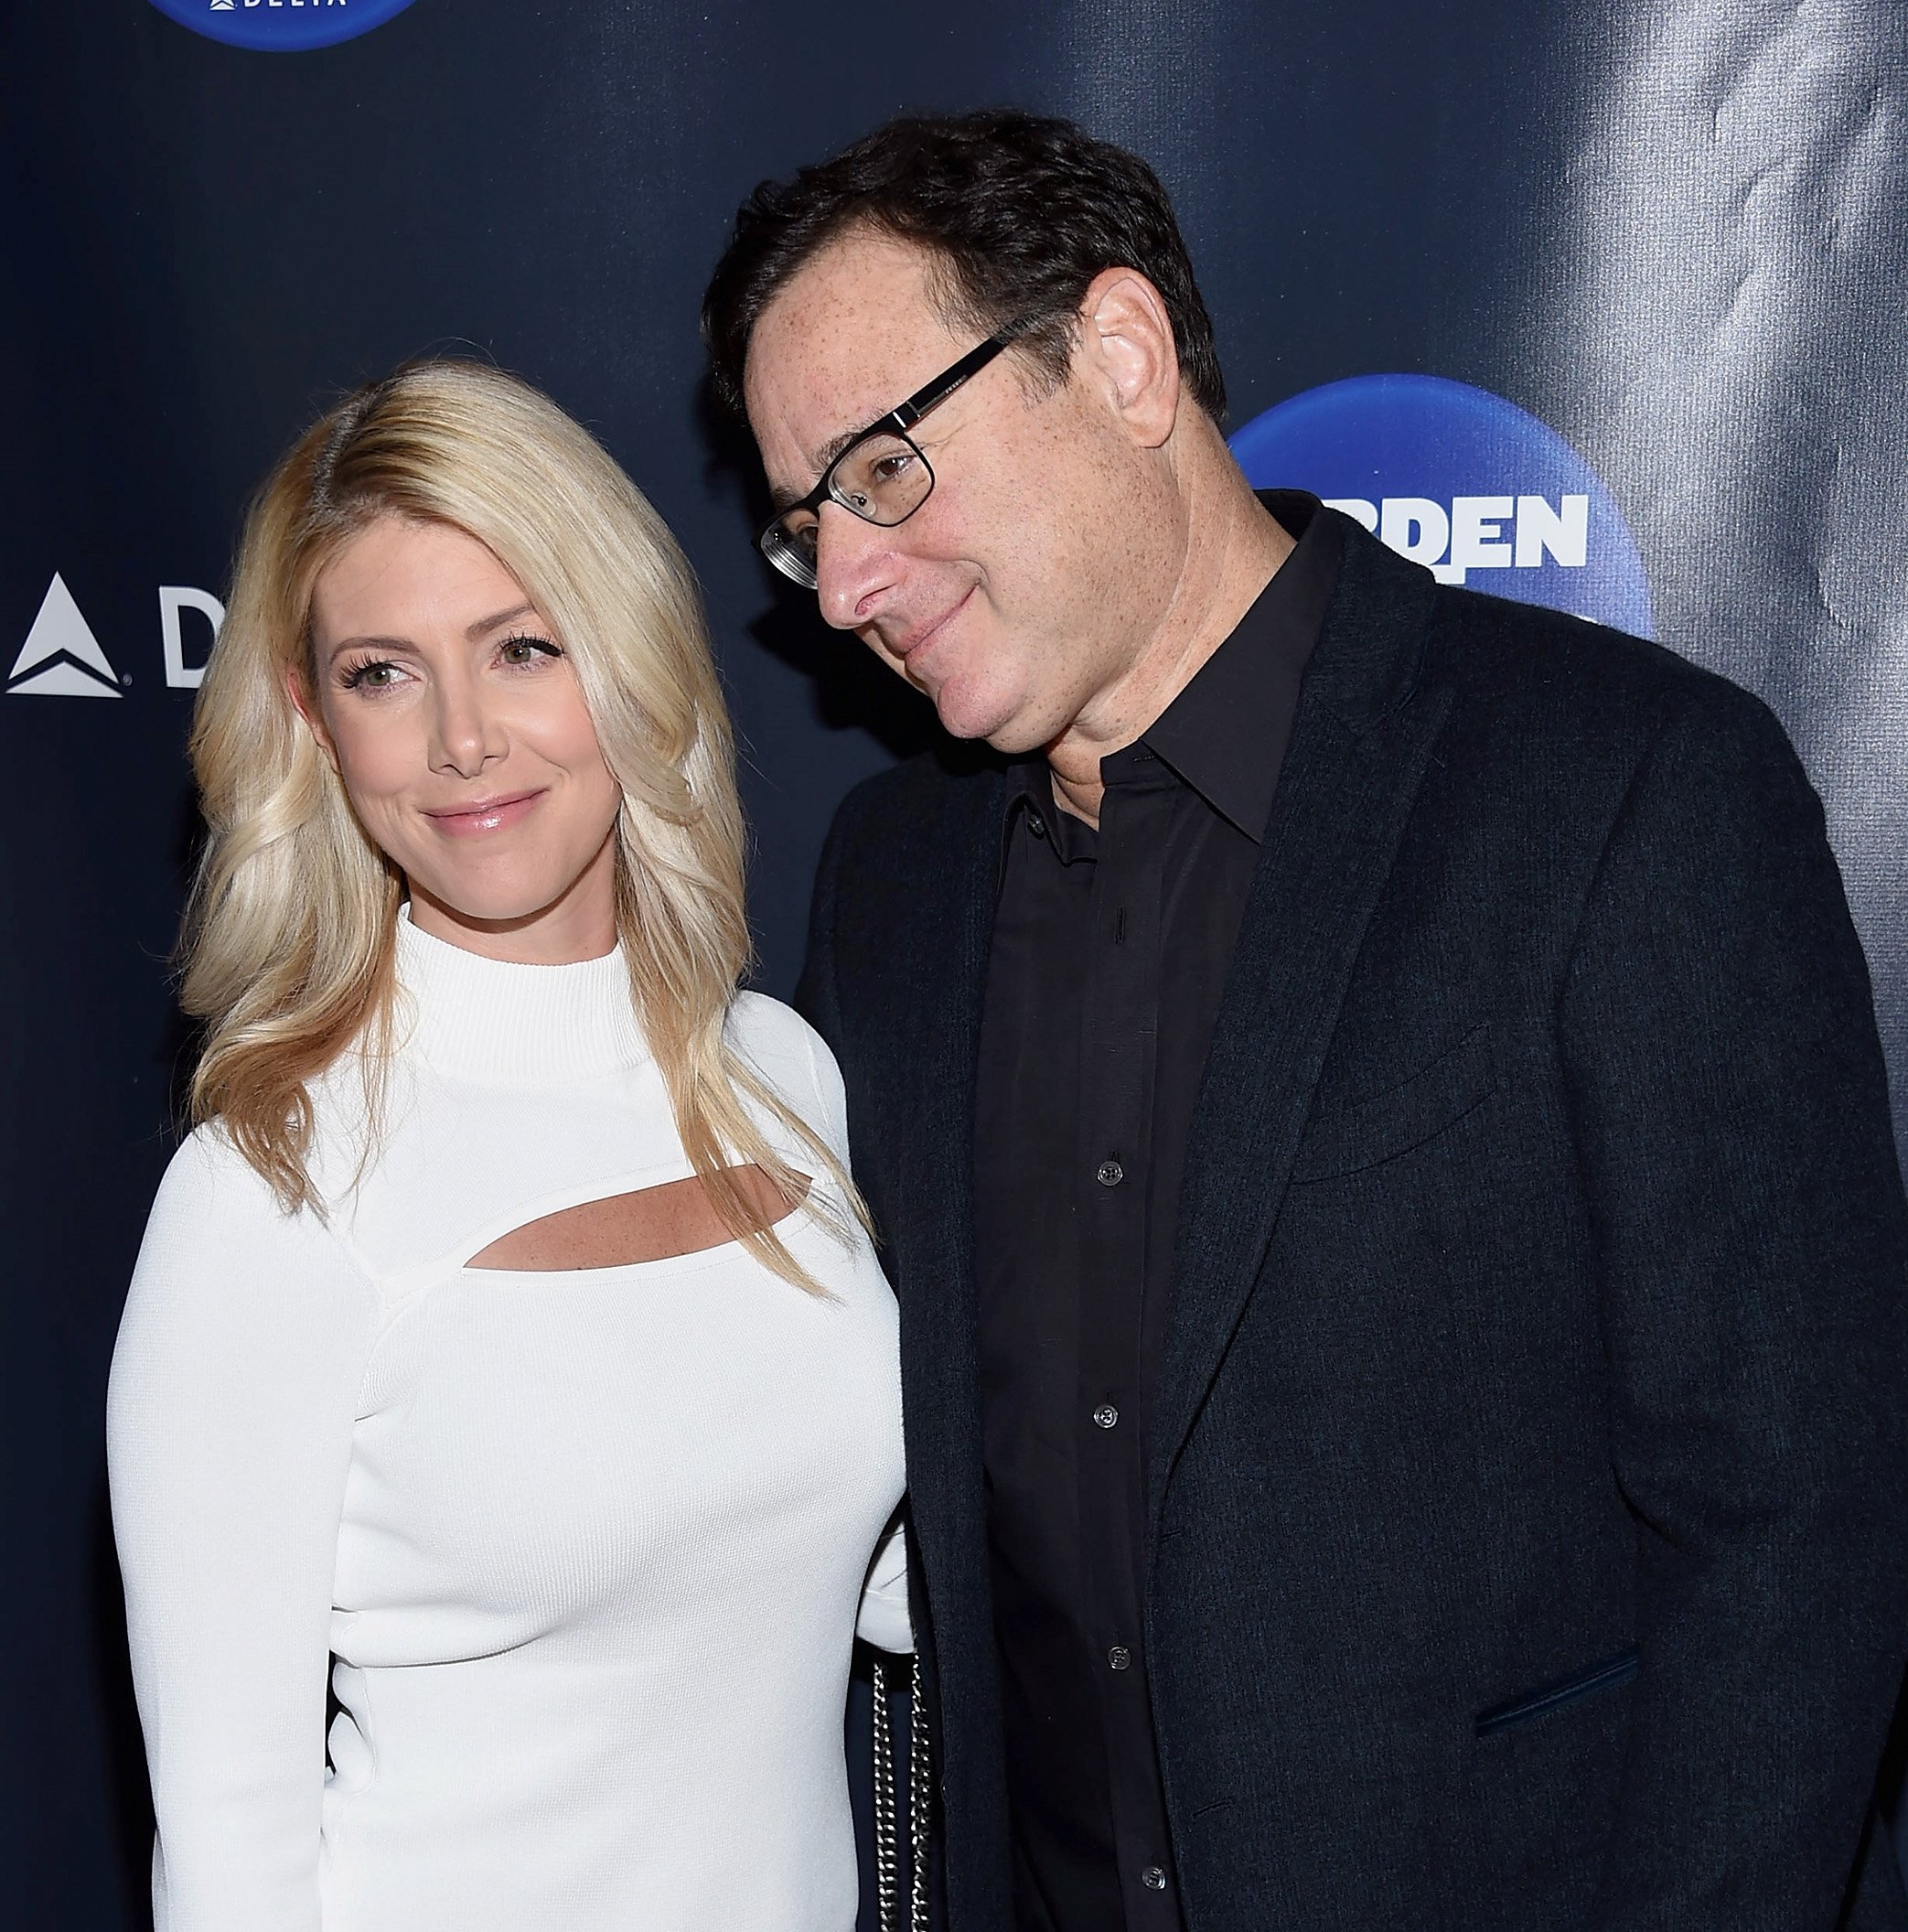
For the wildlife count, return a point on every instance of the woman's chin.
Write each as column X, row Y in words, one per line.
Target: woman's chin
column 490, row 910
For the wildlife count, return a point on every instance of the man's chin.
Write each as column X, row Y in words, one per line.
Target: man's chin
column 965, row 712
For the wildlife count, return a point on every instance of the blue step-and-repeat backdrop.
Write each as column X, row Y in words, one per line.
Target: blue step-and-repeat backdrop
column 1600, row 306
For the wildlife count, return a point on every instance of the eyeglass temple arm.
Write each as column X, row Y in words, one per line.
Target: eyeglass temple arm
column 944, row 385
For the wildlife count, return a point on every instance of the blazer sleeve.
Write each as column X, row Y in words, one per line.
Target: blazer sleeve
column 1730, row 1112
column 229, row 1412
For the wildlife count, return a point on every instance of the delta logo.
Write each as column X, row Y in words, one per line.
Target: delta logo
column 281, row 27
column 63, row 658
column 1481, row 492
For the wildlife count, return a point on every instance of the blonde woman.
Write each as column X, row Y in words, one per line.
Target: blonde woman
column 506, row 1334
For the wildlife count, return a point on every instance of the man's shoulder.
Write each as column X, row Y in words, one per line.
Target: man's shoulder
column 1563, row 680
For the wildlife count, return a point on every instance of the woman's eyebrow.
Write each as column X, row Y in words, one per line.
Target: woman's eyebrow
column 345, row 644
column 476, row 630
column 482, row 628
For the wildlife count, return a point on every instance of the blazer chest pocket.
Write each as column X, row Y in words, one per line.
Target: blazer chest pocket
column 1541, row 1701
column 1350, row 1139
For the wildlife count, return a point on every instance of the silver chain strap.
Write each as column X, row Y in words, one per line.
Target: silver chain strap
column 920, row 1797
column 887, row 1847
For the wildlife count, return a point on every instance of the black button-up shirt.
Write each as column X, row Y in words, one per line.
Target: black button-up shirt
column 1108, row 956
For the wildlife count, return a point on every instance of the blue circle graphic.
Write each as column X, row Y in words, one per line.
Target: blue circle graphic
column 281, row 27
column 1461, row 480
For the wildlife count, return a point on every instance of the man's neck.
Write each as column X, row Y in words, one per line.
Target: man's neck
column 1235, row 547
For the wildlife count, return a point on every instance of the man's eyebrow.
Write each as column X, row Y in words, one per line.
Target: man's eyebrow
column 829, row 453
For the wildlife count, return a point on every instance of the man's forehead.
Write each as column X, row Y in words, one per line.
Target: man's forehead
column 853, row 332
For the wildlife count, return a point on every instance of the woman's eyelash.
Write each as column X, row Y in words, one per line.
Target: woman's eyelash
column 353, row 676
column 547, row 645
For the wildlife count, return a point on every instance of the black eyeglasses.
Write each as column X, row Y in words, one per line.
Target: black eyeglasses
column 881, row 476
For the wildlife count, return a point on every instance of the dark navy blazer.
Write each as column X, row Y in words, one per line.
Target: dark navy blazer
column 1529, row 1498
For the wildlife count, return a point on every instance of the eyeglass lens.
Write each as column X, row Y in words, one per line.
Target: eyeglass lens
column 884, row 479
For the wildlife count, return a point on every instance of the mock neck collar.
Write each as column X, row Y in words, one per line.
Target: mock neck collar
column 499, row 1023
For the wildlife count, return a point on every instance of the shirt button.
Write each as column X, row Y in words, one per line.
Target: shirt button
column 1036, row 825
column 1154, row 1878
column 1106, row 1415
column 1111, row 1174
column 1119, row 1656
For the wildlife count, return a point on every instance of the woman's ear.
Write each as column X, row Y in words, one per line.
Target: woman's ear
column 1126, row 340
column 303, row 704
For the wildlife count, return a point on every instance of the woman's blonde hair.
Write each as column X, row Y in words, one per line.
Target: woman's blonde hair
column 290, row 935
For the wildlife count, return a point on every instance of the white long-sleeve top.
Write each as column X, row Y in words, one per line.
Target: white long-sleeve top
column 585, row 1548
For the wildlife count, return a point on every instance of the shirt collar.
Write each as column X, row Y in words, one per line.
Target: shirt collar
column 1029, row 792
column 1225, row 735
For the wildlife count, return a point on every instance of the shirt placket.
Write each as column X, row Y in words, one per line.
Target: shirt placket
column 1119, row 1053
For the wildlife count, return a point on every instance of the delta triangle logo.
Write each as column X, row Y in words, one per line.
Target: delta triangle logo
column 61, row 657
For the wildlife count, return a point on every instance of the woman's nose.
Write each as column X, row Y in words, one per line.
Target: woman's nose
column 465, row 735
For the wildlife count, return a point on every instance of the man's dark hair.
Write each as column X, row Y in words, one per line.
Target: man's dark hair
column 1021, row 210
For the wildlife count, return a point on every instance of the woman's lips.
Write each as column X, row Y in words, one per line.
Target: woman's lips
column 469, row 821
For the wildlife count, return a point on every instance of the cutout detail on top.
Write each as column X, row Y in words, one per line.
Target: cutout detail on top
column 652, row 1224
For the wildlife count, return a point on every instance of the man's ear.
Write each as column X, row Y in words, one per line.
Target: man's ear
column 1126, row 345
column 303, row 704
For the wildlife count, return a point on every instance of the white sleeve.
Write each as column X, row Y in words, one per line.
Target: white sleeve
column 884, row 1620
column 831, row 1116
column 234, row 1390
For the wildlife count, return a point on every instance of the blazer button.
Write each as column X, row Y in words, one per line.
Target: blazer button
column 1111, row 1174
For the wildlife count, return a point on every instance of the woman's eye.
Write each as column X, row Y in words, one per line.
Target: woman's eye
column 376, row 676
column 526, row 650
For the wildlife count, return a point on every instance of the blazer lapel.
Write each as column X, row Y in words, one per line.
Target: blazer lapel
column 1361, row 742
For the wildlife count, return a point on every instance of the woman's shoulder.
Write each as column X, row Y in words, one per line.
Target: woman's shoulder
column 782, row 1047
column 757, row 1019
column 209, row 1170
column 212, row 1201
column 794, row 1059
column 238, row 1314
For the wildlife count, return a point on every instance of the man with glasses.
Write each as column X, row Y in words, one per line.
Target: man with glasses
column 1371, row 1100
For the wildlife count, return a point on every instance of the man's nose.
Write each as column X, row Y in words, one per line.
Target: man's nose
column 855, row 561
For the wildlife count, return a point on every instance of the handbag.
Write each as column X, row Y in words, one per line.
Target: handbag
column 920, row 1800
